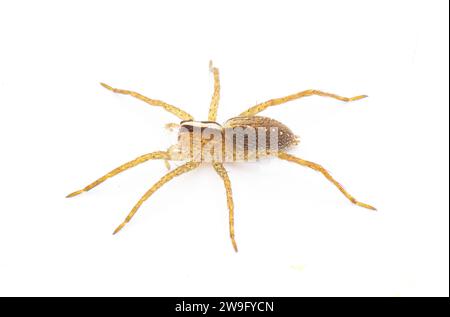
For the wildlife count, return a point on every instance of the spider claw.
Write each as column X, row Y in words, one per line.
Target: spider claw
column 118, row 228
column 366, row 206
column 358, row 97
column 107, row 86
column 211, row 66
column 235, row 246
column 75, row 193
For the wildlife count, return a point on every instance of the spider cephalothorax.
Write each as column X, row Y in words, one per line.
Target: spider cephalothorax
column 243, row 138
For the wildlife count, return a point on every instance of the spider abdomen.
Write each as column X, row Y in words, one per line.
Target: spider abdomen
column 256, row 136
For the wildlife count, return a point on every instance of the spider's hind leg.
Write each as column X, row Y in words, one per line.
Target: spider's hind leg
column 319, row 168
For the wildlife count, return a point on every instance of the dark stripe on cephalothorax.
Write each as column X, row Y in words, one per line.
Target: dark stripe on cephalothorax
column 190, row 126
column 205, row 122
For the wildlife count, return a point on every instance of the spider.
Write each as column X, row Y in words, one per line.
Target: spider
column 196, row 145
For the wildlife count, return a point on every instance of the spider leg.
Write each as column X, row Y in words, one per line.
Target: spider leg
column 141, row 159
column 319, row 168
column 220, row 169
column 153, row 102
column 174, row 173
column 278, row 101
column 212, row 116
column 167, row 164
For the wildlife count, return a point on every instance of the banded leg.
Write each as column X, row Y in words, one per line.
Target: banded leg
column 174, row 173
column 278, row 101
column 226, row 181
column 161, row 155
column 212, row 116
column 153, row 102
column 319, row 168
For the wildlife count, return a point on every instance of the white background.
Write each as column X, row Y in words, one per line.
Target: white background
column 297, row 234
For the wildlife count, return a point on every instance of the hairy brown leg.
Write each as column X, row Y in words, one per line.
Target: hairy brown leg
column 319, row 168
column 172, row 174
column 153, row 102
column 220, row 169
column 278, row 101
column 212, row 116
column 160, row 155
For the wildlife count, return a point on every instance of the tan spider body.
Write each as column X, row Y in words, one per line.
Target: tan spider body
column 243, row 138
column 248, row 139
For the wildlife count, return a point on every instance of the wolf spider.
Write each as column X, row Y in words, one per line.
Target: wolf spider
column 248, row 118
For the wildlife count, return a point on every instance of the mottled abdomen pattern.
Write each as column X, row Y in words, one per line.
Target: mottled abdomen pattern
column 286, row 138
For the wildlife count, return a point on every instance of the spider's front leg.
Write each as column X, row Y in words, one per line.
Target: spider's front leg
column 212, row 115
column 160, row 155
column 183, row 115
column 319, row 168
